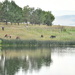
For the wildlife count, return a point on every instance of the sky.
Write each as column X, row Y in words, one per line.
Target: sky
column 58, row 7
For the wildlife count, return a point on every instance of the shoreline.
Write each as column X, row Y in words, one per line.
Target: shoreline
column 36, row 43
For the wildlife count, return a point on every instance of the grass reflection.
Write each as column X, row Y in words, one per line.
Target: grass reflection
column 32, row 59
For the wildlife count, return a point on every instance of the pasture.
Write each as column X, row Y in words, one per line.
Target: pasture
column 34, row 32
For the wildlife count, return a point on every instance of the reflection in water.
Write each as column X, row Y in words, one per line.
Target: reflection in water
column 12, row 61
column 63, row 50
column 2, row 64
column 38, row 61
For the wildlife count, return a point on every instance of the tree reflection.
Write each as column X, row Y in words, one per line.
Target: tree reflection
column 13, row 64
column 2, row 64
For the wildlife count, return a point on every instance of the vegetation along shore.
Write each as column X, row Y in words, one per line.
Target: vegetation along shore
column 37, row 35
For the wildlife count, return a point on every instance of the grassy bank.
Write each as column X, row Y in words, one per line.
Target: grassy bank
column 35, row 43
column 34, row 32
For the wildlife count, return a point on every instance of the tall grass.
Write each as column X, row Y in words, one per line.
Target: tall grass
column 35, row 43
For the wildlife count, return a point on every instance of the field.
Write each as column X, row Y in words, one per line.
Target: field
column 34, row 32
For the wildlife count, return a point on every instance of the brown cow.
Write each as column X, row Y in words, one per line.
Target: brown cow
column 7, row 36
column 17, row 37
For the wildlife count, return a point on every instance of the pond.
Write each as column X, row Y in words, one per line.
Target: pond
column 37, row 61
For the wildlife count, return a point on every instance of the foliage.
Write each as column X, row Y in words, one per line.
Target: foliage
column 35, row 43
column 1, row 12
column 10, row 12
column 17, row 59
column 49, row 18
column 15, row 13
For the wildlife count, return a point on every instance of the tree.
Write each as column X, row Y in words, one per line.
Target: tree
column 40, row 16
column 27, row 12
column 11, row 12
column 34, row 17
column 0, row 11
column 15, row 12
column 37, row 16
column 48, row 18
column 5, row 9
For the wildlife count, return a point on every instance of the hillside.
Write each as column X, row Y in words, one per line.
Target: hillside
column 35, row 31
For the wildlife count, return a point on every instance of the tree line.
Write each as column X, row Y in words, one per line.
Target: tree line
column 11, row 12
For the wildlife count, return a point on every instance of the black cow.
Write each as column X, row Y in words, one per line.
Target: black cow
column 41, row 35
column 52, row 36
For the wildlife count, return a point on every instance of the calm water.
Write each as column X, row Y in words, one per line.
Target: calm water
column 40, row 61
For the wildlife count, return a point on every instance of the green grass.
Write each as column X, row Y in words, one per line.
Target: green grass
column 34, row 32
column 35, row 43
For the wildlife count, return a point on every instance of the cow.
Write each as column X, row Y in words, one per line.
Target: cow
column 7, row 36
column 52, row 36
column 17, row 37
column 42, row 36
column 3, row 28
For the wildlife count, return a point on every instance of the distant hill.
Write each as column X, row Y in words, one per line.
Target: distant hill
column 65, row 20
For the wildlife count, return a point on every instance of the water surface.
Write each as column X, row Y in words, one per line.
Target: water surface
column 40, row 61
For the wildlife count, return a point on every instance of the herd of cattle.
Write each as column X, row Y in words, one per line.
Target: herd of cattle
column 9, row 36
column 52, row 36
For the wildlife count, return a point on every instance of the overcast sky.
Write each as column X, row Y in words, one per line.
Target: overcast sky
column 58, row 7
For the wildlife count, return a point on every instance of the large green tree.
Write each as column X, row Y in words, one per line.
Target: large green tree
column 11, row 12
column 34, row 17
column 27, row 12
column 1, row 13
column 5, row 9
column 48, row 18
column 15, row 13
column 42, row 17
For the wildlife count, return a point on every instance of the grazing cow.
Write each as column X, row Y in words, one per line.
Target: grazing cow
column 17, row 37
column 3, row 28
column 52, row 36
column 7, row 36
column 42, row 36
